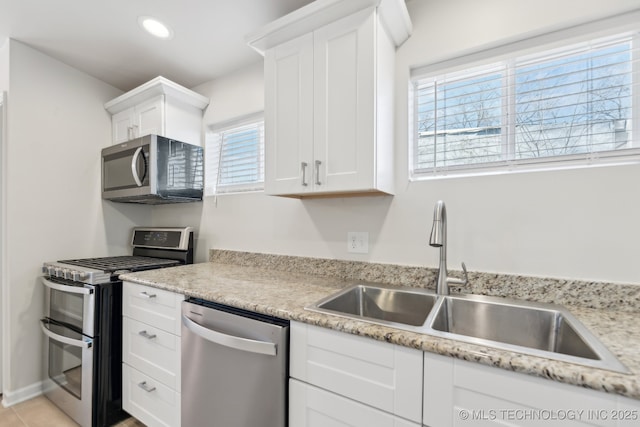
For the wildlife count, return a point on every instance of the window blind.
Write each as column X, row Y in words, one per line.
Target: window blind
column 235, row 158
column 573, row 104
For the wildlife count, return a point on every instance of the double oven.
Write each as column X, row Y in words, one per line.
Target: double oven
column 82, row 324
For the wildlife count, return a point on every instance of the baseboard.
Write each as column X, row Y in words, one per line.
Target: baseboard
column 10, row 398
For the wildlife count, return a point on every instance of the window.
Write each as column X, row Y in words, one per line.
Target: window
column 235, row 156
column 567, row 106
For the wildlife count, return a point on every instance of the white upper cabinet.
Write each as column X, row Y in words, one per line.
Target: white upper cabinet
column 143, row 119
column 159, row 107
column 329, row 97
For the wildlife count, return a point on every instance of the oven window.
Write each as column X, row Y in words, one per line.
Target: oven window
column 65, row 361
column 66, row 308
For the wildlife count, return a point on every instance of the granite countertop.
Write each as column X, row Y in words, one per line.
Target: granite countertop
column 284, row 294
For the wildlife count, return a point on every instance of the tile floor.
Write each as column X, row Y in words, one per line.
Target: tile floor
column 40, row 412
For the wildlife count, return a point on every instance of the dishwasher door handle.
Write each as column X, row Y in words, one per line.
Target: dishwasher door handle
column 231, row 341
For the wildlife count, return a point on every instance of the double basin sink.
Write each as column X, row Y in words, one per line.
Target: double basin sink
column 543, row 330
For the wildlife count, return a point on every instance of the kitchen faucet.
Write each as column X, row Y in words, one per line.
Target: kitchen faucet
column 438, row 239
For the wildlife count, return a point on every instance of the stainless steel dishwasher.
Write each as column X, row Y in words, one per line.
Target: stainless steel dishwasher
column 234, row 367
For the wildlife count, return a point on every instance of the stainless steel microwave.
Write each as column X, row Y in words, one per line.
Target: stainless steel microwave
column 154, row 170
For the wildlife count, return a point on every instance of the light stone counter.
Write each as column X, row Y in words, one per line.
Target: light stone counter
column 284, row 294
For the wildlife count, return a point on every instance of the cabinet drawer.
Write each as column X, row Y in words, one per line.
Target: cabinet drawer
column 313, row 407
column 156, row 406
column 152, row 351
column 155, row 307
column 379, row 374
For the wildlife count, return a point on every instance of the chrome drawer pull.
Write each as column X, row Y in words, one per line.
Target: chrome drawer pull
column 146, row 295
column 146, row 335
column 143, row 385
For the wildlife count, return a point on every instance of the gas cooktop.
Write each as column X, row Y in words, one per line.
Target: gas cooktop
column 152, row 248
column 116, row 263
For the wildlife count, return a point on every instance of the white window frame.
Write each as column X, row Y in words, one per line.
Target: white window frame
column 213, row 139
column 538, row 45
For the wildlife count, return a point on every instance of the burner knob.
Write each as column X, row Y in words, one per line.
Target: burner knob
column 45, row 270
column 57, row 272
column 75, row 275
column 50, row 270
column 66, row 273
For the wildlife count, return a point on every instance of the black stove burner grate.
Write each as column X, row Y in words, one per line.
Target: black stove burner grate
column 117, row 263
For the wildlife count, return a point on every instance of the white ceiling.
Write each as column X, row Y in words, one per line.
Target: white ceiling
column 102, row 37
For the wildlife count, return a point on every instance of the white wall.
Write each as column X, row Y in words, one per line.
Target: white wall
column 56, row 127
column 576, row 224
column 4, row 85
column 4, row 64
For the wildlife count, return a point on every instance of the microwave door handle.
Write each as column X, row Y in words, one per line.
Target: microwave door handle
column 64, row 288
column 63, row 339
column 134, row 166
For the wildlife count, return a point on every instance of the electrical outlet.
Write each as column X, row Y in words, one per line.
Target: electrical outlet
column 358, row 242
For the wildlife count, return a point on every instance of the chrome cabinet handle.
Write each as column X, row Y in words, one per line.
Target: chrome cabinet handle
column 318, row 163
column 147, row 335
column 304, row 173
column 143, row 385
column 147, row 295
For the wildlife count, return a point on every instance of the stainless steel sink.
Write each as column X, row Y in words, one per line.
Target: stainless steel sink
column 385, row 305
column 545, row 330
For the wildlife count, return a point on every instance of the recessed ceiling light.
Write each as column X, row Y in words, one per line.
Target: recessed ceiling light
column 155, row 27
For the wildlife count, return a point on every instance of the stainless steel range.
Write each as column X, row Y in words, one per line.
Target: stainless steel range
column 83, row 323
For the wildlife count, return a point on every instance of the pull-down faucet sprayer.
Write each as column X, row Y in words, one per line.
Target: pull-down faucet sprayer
column 438, row 239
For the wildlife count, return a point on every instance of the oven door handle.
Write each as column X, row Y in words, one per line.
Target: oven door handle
column 65, row 288
column 62, row 338
column 243, row 344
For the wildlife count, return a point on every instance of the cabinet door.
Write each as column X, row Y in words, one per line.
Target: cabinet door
column 379, row 374
column 289, row 117
column 461, row 393
column 122, row 126
column 149, row 117
column 344, row 103
column 313, row 407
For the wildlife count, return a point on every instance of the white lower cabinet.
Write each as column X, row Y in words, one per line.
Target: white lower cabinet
column 373, row 376
column 151, row 354
column 461, row 393
column 314, row 407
